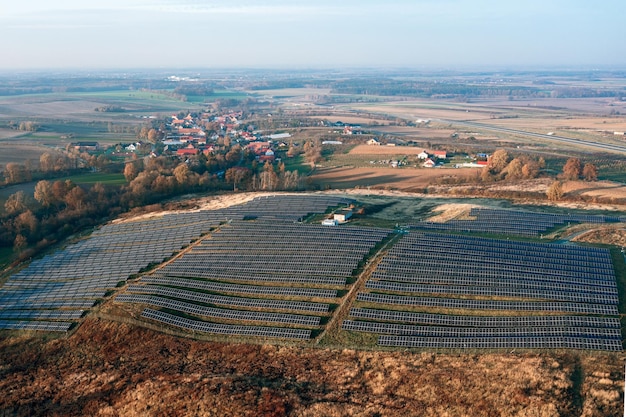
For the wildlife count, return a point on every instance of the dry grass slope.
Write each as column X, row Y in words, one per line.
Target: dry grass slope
column 112, row 369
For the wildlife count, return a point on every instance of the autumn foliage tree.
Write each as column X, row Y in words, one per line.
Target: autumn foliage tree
column 498, row 161
column 590, row 172
column 312, row 152
column 514, row 170
column 131, row 170
column 572, row 169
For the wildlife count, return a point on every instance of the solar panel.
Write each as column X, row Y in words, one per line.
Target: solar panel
column 226, row 329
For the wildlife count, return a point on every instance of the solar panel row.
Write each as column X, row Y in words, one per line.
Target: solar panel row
column 455, row 303
column 485, row 321
column 44, row 326
column 240, row 289
column 437, row 331
column 220, row 313
column 494, row 291
column 555, row 342
column 226, row 329
column 230, row 301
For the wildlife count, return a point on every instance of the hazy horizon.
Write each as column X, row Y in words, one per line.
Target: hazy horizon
column 447, row 35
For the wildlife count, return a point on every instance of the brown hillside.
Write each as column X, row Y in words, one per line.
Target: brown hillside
column 111, row 369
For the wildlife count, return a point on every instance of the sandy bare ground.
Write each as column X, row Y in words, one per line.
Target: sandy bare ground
column 603, row 189
column 452, row 211
column 206, row 203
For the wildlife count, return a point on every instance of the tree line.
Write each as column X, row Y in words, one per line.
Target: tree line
column 52, row 164
column 60, row 208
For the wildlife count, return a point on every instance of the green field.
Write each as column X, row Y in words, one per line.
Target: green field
column 218, row 95
column 97, row 177
column 297, row 164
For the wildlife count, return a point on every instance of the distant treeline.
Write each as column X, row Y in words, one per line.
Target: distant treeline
column 82, row 85
column 430, row 89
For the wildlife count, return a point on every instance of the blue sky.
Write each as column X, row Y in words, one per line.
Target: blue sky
column 420, row 34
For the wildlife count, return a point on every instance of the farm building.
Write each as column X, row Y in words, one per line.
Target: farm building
column 342, row 216
column 187, row 151
column 85, row 146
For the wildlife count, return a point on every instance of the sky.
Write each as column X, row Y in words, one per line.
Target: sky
column 314, row 34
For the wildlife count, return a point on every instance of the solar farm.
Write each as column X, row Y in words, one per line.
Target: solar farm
column 267, row 270
column 547, row 295
column 256, row 273
column 517, row 223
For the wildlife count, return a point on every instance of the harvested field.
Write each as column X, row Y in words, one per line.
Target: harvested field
column 10, row 133
column 107, row 368
column 292, row 92
column 385, row 150
column 364, row 121
column 415, row 133
column 20, row 152
column 392, row 178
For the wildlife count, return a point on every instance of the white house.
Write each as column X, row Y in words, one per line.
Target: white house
column 429, row 163
column 422, row 155
column 342, row 216
column 373, row 141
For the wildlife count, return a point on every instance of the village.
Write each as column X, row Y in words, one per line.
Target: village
column 205, row 134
